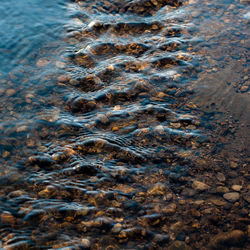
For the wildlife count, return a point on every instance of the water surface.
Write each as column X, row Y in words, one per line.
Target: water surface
column 123, row 125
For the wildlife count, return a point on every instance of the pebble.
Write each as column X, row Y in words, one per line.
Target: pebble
column 232, row 196
column 48, row 191
column 161, row 239
column 169, row 209
column 7, row 218
column 200, row 186
column 85, row 243
column 246, row 197
column 222, row 190
column 34, row 215
column 151, row 219
column 221, row 177
column 157, row 189
column 218, row 202
column 235, row 238
column 233, row 165
column 116, row 228
column 237, row 187
column 179, row 245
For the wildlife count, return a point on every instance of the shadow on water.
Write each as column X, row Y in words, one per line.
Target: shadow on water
column 122, row 124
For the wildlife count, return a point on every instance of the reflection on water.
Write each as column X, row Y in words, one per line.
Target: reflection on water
column 124, row 124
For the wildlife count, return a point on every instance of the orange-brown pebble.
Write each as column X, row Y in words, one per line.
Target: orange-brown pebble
column 7, row 218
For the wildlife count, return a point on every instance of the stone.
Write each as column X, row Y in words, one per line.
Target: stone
column 151, row 219
column 157, row 189
column 233, row 165
column 116, row 228
column 161, row 239
column 232, row 196
column 85, row 243
column 221, row 177
column 169, row 209
column 246, row 197
column 7, row 218
column 179, row 245
column 222, row 190
column 237, row 187
column 200, row 186
column 218, row 202
column 235, row 238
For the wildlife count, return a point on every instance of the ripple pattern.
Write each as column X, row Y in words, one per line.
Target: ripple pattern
column 122, row 124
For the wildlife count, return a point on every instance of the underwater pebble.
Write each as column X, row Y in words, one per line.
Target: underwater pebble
column 232, row 196
column 235, row 238
column 200, row 186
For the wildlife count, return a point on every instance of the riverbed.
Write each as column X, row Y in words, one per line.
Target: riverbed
column 124, row 125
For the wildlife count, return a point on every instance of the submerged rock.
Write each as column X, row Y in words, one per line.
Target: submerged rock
column 235, row 238
column 179, row 245
column 200, row 186
column 232, row 196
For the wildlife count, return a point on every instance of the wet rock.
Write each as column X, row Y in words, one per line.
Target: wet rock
column 221, row 177
column 217, row 202
column 235, row 238
column 42, row 161
column 151, row 219
column 221, row 190
column 214, row 219
column 246, row 197
column 48, row 191
column 34, row 216
column 200, row 186
column 179, row 245
column 188, row 192
column 102, row 223
column 85, row 169
column 7, row 218
column 232, row 196
column 158, row 189
column 85, row 243
column 131, row 205
column 116, row 228
column 21, row 245
column 82, row 104
column 17, row 193
column 83, row 59
column 63, row 78
column 233, row 164
column 237, row 187
column 134, row 233
column 169, row 209
column 161, row 239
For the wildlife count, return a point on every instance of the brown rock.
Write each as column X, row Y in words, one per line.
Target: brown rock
column 235, row 238
column 179, row 245
column 200, row 186
column 221, row 177
column 237, row 187
column 232, row 196
column 7, row 218
column 157, row 189
column 222, row 190
column 218, row 202
column 169, row 209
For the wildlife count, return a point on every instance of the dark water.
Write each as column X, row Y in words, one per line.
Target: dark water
column 124, row 125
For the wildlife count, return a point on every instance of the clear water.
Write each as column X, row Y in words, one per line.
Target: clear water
column 109, row 113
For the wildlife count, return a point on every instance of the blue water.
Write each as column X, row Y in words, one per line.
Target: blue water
column 26, row 28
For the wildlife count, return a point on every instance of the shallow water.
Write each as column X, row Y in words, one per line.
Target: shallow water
column 113, row 114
